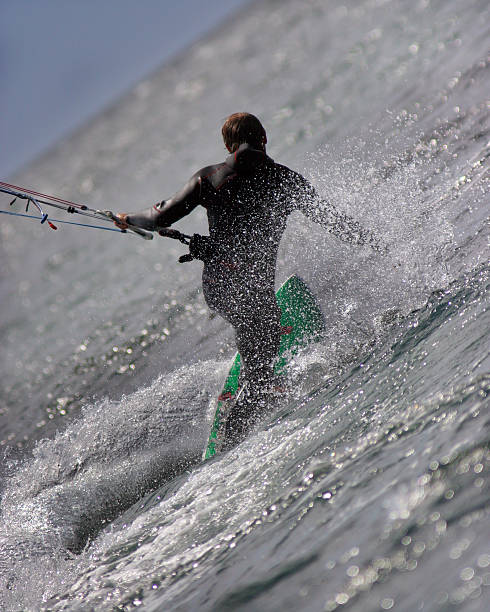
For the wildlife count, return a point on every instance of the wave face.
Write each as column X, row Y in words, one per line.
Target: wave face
column 367, row 489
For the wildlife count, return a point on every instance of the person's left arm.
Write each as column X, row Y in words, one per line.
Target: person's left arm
column 167, row 212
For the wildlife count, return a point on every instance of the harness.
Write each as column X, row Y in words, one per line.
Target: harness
column 200, row 247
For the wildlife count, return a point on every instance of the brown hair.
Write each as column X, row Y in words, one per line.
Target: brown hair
column 243, row 127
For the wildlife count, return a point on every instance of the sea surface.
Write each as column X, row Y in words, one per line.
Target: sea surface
column 367, row 489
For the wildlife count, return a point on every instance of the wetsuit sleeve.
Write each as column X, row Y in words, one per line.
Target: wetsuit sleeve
column 340, row 224
column 169, row 211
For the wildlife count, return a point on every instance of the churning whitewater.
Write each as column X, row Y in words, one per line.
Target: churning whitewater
column 368, row 488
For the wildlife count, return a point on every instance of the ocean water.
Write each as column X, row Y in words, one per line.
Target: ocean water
column 367, row 488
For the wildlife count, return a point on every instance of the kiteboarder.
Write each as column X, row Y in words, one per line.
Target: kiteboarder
column 248, row 199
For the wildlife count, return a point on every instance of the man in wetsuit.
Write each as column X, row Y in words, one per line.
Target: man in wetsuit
column 248, row 198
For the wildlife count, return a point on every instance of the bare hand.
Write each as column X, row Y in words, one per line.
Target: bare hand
column 121, row 222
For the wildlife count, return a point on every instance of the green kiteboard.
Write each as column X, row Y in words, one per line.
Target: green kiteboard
column 303, row 323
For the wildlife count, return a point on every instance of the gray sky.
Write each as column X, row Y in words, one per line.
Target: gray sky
column 61, row 61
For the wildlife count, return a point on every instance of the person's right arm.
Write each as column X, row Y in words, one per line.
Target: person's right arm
column 340, row 224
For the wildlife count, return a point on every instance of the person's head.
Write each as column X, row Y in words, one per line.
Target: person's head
column 243, row 127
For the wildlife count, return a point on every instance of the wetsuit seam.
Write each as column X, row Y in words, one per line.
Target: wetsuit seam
column 228, row 178
column 206, row 176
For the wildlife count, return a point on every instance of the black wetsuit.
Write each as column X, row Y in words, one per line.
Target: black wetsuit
column 248, row 199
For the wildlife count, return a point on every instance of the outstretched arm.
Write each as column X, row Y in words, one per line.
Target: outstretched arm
column 340, row 224
column 166, row 212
